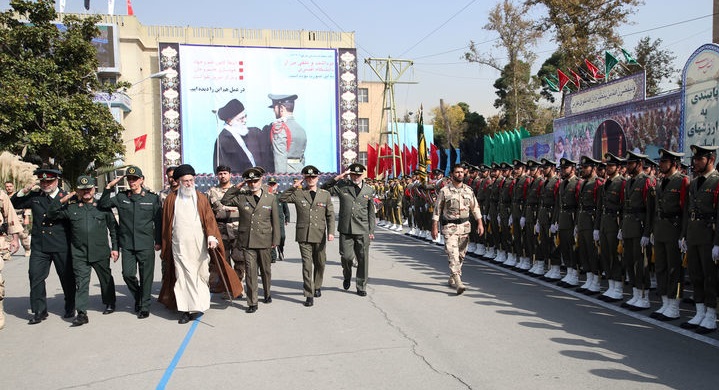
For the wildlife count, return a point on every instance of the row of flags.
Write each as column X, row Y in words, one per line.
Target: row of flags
column 504, row 146
column 110, row 6
column 562, row 80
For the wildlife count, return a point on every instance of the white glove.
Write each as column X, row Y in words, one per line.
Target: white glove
column 522, row 222
column 715, row 252
column 619, row 235
column 651, row 238
column 553, row 228
column 499, row 219
column 595, row 234
column 644, row 241
column 536, row 228
column 575, row 231
column 683, row 245
column 510, row 221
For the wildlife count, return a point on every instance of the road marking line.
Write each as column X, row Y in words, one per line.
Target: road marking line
column 171, row 368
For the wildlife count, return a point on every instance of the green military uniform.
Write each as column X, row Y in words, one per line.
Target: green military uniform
column 636, row 227
column 355, row 223
column 315, row 220
column 565, row 222
column 482, row 193
column 504, row 213
column 548, row 195
column 586, row 222
column 519, row 198
column 609, row 206
column 89, row 228
column 699, row 234
column 140, row 229
column 531, row 214
column 494, row 239
column 50, row 244
column 670, row 201
column 259, row 231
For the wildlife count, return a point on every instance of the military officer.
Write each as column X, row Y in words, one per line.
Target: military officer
column 699, row 239
column 278, row 252
column 548, row 195
column 636, row 227
column 565, row 219
column 89, row 229
column 227, row 218
column 49, row 243
column 455, row 202
column 315, row 226
column 482, row 193
column 522, row 183
column 504, row 213
column 531, row 212
column 671, row 195
column 139, row 234
column 356, row 223
column 23, row 216
column 494, row 239
column 609, row 206
column 586, row 224
column 259, row 231
column 10, row 228
column 289, row 139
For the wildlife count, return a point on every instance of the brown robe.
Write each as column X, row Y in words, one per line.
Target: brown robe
column 209, row 227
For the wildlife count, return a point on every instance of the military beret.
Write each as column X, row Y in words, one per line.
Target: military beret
column 518, row 163
column 588, row 161
column 635, row 157
column 85, row 182
column 548, row 163
column 356, row 168
column 281, row 99
column 182, row 170
column 252, row 174
column 311, row 170
column 669, row 155
column 565, row 162
column 532, row 164
column 135, row 171
column 230, row 110
column 223, row 168
column 48, row 173
column 702, row 151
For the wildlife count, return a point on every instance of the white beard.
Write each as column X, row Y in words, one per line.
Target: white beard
column 239, row 129
column 187, row 192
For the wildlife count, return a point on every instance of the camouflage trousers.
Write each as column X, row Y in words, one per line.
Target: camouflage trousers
column 2, row 289
column 456, row 239
column 24, row 237
column 233, row 254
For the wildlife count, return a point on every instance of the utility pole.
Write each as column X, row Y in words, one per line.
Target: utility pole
column 389, row 70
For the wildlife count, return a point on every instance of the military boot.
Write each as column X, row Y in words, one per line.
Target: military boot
column 459, row 284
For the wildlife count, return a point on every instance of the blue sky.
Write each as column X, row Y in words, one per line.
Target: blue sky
column 434, row 38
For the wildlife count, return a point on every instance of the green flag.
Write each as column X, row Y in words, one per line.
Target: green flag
column 609, row 62
column 628, row 58
column 517, row 145
column 524, row 132
column 552, row 87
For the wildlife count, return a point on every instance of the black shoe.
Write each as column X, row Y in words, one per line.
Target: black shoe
column 137, row 307
column 318, row 293
column 703, row 330
column 268, row 300
column 687, row 325
column 251, row 309
column 346, row 284
column 69, row 313
column 184, row 318
column 80, row 320
column 143, row 314
column 309, row 302
column 109, row 309
column 197, row 315
column 362, row 293
column 38, row 318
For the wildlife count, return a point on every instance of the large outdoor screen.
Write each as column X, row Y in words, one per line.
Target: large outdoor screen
column 254, row 106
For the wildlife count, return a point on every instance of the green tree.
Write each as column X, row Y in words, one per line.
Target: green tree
column 516, row 95
column 455, row 117
column 47, row 82
column 657, row 62
column 582, row 28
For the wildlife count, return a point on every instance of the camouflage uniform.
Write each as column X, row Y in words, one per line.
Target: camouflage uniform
column 228, row 221
column 10, row 226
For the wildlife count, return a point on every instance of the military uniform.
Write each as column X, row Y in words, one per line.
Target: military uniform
column 636, row 227
column 609, row 206
column 289, row 139
column 701, row 241
column 587, row 218
column 315, row 221
column 531, row 214
column 9, row 226
column 670, row 201
column 49, row 245
column 503, row 216
column 356, row 223
column 228, row 221
column 565, row 217
column 519, row 199
column 140, row 230
column 548, row 195
column 453, row 208
column 494, row 239
column 89, row 228
column 259, row 231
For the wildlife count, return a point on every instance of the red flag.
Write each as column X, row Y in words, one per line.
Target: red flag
column 413, row 160
column 140, row 142
column 563, row 79
column 593, row 69
column 371, row 161
column 577, row 80
column 397, row 161
column 129, row 8
column 433, row 156
column 406, row 160
column 385, row 161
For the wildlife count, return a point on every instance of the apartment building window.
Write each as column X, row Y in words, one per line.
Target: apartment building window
column 363, row 95
column 363, row 125
column 362, row 158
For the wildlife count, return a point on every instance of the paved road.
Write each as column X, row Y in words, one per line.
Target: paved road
column 410, row 332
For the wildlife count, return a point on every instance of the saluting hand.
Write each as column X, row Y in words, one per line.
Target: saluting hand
column 114, row 182
column 67, row 197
